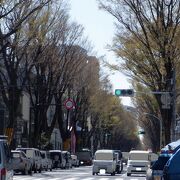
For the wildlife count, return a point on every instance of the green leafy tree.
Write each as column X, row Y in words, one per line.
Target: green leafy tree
column 147, row 40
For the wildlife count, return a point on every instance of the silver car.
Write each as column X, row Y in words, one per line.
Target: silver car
column 21, row 163
column 105, row 160
column 6, row 169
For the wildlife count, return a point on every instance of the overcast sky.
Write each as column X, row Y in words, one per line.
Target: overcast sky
column 99, row 28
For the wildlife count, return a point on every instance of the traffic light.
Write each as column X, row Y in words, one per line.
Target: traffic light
column 141, row 132
column 124, row 92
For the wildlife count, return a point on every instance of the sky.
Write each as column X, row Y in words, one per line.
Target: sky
column 99, row 28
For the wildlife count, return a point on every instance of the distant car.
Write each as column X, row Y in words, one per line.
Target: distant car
column 119, row 163
column 6, row 168
column 58, row 159
column 35, row 157
column 68, row 159
column 104, row 159
column 156, row 170
column 85, row 157
column 46, row 160
column 125, row 156
column 21, row 163
column 171, row 169
column 75, row 160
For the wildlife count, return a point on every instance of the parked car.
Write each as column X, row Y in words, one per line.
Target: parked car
column 171, row 148
column 75, row 160
column 68, row 159
column 138, row 162
column 21, row 163
column 6, row 168
column 119, row 163
column 171, row 170
column 35, row 157
column 46, row 160
column 155, row 172
column 104, row 160
column 58, row 159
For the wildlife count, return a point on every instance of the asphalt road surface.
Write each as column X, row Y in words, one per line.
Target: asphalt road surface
column 80, row 173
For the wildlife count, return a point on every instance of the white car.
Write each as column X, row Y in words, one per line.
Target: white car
column 104, row 160
column 75, row 160
column 58, row 159
column 46, row 160
column 21, row 163
column 138, row 162
column 35, row 156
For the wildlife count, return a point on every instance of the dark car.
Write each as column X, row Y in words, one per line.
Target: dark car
column 171, row 169
column 85, row 157
column 155, row 172
column 119, row 165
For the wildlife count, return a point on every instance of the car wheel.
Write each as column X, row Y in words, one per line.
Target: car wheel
column 128, row 174
column 113, row 174
column 35, row 170
column 30, row 171
column 40, row 170
column 25, row 171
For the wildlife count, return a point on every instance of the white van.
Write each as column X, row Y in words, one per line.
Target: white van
column 104, row 160
column 58, row 159
column 138, row 162
column 46, row 160
column 35, row 156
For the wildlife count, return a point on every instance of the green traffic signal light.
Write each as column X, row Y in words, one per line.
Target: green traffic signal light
column 117, row 92
column 124, row 92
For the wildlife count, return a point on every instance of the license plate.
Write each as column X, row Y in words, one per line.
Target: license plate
column 138, row 169
column 102, row 171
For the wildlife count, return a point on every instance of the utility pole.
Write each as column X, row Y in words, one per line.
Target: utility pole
column 173, row 121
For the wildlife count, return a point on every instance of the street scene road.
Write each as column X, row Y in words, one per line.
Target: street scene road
column 62, row 117
column 81, row 173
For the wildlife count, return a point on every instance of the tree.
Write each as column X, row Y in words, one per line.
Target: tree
column 147, row 40
column 13, row 16
column 147, row 111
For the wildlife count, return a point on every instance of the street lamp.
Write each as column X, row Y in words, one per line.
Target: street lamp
column 160, row 124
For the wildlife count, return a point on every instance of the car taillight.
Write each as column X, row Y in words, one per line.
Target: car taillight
column 3, row 174
column 170, row 152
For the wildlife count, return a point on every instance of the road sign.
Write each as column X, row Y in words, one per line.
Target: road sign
column 166, row 101
column 69, row 104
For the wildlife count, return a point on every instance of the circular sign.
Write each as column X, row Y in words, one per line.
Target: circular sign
column 69, row 104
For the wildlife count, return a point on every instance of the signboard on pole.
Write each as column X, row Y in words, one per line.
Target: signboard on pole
column 69, row 104
column 166, row 101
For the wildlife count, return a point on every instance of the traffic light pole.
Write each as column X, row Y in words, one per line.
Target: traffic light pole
column 160, row 125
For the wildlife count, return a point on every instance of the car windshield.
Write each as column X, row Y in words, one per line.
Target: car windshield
column 55, row 155
column 16, row 155
column 104, row 156
column 139, row 156
column 43, row 155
